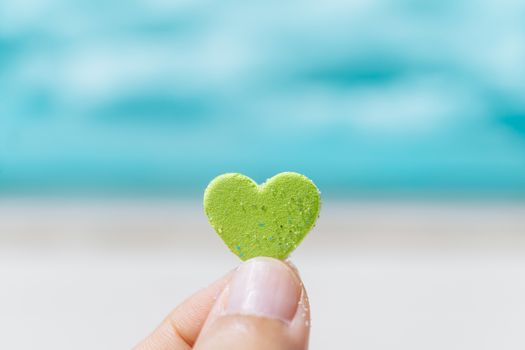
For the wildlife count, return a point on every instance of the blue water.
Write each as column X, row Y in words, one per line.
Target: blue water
column 159, row 96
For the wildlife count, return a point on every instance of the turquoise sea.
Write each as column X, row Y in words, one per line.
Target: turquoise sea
column 373, row 97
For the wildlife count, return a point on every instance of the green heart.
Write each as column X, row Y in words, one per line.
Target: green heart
column 266, row 220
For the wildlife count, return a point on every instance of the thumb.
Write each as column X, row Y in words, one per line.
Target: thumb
column 264, row 306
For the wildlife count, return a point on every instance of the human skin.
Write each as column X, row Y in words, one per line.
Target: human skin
column 260, row 305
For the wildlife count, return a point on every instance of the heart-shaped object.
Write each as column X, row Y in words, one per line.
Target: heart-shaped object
column 266, row 220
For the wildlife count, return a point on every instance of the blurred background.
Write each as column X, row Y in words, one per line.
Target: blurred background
column 409, row 116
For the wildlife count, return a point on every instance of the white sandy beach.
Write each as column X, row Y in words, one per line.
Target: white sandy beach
column 381, row 275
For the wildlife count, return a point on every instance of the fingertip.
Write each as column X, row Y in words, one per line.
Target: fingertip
column 262, row 291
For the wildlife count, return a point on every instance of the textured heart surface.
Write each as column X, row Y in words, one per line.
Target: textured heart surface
column 262, row 220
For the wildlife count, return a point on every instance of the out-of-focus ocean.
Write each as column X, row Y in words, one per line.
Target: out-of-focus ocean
column 362, row 96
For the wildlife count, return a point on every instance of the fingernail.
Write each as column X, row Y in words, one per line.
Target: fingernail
column 264, row 287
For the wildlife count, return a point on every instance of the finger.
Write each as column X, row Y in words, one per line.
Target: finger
column 180, row 329
column 264, row 306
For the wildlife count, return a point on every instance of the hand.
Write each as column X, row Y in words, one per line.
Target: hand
column 260, row 305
